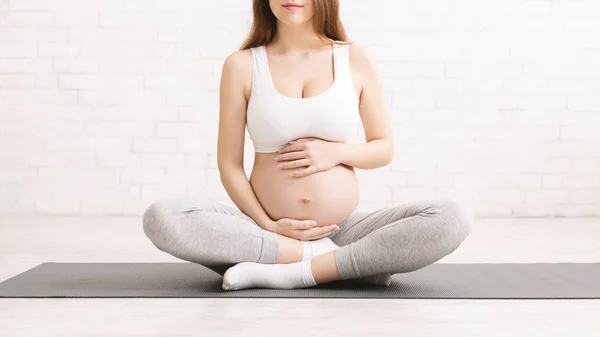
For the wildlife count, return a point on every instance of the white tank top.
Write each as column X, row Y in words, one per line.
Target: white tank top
column 274, row 119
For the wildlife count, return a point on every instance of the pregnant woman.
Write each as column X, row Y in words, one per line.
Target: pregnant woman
column 302, row 90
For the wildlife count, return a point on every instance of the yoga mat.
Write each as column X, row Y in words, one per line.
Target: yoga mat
column 440, row 280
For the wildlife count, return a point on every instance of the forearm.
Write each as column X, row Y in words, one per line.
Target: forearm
column 374, row 154
column 240, row 191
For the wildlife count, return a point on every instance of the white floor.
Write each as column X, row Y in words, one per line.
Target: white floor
column 27, row 241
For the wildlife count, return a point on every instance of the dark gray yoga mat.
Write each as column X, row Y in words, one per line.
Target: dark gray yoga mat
column 440, row 280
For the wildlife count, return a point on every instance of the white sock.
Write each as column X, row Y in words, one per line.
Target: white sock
column 317, row 247
column 260, row 275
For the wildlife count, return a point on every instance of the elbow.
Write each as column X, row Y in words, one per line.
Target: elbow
column 390, row 152
column 390, row 158
column 229, row 167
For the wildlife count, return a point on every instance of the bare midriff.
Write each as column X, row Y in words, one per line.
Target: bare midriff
column 328, row 197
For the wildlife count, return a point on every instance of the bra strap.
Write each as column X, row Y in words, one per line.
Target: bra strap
column 342, row 61
column 260, row 61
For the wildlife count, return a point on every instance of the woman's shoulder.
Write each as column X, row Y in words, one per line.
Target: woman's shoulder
column 360, row 55
column 237, row 69
column 358, row 50
column 239, row 60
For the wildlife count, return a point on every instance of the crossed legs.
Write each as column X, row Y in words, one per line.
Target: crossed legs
column 372, row 245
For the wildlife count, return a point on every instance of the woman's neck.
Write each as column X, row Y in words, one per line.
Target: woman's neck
column 296, row 39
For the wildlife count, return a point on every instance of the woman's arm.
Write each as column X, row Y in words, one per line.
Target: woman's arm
column 230, row 143
column 379, row 149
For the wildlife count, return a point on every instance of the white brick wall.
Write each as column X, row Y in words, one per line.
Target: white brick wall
column 107, row 105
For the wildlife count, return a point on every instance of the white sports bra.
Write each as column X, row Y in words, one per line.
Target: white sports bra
column 274, row 119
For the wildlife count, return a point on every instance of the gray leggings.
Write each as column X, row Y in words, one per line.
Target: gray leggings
column 391, row 240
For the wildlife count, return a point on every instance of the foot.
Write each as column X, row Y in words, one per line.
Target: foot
column 276, row 276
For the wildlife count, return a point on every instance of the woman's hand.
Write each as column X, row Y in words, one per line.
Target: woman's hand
column 303, row 230
column 316, row 154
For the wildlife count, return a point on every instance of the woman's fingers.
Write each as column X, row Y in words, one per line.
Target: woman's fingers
column 295, row 164
column 291, row 156
column 317, row 232
column 316, row 237
column 302, row 224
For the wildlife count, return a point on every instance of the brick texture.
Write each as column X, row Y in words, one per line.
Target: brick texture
column 108, row 105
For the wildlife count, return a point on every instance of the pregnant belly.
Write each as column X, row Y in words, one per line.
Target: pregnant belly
column 327, row 197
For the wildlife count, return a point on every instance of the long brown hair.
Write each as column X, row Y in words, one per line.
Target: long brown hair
column 326, row 23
